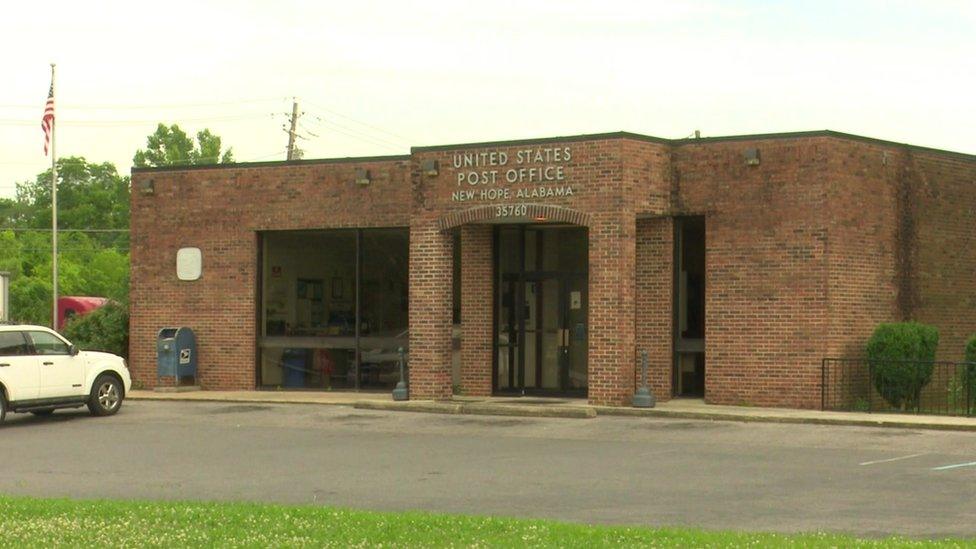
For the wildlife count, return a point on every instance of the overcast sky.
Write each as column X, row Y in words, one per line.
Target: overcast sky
column 374, row 77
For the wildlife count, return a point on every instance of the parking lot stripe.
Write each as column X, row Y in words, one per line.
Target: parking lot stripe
column 954, row 466
column 891, row 459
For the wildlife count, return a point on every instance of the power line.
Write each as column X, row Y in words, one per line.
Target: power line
column 362, row 137
column 115, row 123
column 361, row 132
column 263, row 156
column 109, row 107
column 323, row 124
column 25, row 229
column 73, row 248
column 377, row 128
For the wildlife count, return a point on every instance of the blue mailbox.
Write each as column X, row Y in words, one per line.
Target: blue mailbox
column 176, row 353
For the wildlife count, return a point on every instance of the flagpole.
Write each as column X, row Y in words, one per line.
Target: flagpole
column 54, row 218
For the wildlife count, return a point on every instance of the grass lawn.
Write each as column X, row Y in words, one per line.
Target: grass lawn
column 29, row 522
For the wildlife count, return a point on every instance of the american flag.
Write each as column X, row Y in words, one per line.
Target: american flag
column 47, row 122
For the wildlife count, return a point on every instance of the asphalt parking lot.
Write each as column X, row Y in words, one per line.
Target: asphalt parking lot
column 716, row 475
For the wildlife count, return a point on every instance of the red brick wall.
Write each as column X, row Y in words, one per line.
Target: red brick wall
column 220, row 211
column 655, row 302
column 431, row 299
column 766, row 273
column 611, row 309
column 477, row 292
column 862, row 232
column 611, row 178
column 943, row 244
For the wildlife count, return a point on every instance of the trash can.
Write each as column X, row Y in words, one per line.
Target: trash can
column 176, row 354
column 294, row 363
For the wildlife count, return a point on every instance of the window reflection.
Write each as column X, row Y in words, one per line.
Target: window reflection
column 312, row 295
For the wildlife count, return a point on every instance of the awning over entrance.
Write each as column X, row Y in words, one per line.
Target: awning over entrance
column 513, row 213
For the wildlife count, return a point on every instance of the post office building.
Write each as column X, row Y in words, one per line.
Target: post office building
column 552, row 266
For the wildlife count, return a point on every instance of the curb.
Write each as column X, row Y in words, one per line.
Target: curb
column 481, row 409
column 232, row 400
column 745, row 418
column 575, row 412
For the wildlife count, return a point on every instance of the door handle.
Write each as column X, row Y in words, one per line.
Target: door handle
column 4, row 365
column 49, row 364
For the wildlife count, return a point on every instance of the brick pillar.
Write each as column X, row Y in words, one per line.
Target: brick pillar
column 611, row 316
column 431, row 273
column 476, row 309
column 655, row 302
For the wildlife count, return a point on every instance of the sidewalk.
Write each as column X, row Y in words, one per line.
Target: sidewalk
column 569, row 408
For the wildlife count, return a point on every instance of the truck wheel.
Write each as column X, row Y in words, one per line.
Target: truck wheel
column 106, row 396
column 3, row 406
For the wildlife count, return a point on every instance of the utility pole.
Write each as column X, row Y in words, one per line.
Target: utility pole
column 293, row 132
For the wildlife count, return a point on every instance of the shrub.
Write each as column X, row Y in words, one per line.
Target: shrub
column 104, row 329
column 969, row 374
column 901, row 356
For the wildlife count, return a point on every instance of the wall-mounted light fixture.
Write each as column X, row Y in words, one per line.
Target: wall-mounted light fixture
column 147, row 186
column 362, row 176
column 430, row 168
column 752, row 157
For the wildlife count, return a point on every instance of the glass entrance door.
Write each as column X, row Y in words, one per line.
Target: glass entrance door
column 541, row 310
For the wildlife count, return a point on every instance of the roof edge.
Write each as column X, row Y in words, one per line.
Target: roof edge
column 564, row 139
column 270, row 163
column 821, row 133
column 543, row 140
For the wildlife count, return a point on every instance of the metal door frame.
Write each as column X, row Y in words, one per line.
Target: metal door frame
column 519, row 279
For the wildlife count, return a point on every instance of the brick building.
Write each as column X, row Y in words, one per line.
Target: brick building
column 546, row 266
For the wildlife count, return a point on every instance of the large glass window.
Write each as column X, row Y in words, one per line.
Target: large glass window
column 334, row 308
column 689, row 344
column 383, row 305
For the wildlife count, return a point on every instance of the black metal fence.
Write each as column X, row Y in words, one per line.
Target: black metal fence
column 854, row 385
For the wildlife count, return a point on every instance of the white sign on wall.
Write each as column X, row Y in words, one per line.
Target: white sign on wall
column 189, row 264
column 523, row 175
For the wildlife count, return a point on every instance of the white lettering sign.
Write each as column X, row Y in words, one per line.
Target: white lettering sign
column 486, row 175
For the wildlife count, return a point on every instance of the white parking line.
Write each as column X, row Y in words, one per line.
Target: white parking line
column 954, row 466
column 891, row 459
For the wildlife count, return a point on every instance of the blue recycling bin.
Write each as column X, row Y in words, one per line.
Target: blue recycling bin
column 176, row 354
column 293, row 364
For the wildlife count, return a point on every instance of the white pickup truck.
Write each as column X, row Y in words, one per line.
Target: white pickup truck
column 40, row 371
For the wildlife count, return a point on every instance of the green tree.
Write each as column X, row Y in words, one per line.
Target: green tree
column 93, row 240
column 93, row 221
column 170, row 145
column 90, row 196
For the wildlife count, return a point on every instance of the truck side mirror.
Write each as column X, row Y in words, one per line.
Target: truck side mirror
column 73, row 350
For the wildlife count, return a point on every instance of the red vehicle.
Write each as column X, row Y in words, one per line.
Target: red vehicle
column 71, row 306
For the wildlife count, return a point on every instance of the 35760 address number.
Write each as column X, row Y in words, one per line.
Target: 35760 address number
column 514, row 210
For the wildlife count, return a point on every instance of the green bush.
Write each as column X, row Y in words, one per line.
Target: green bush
column 104, row 329
column 969, row 374
column 901, row 356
